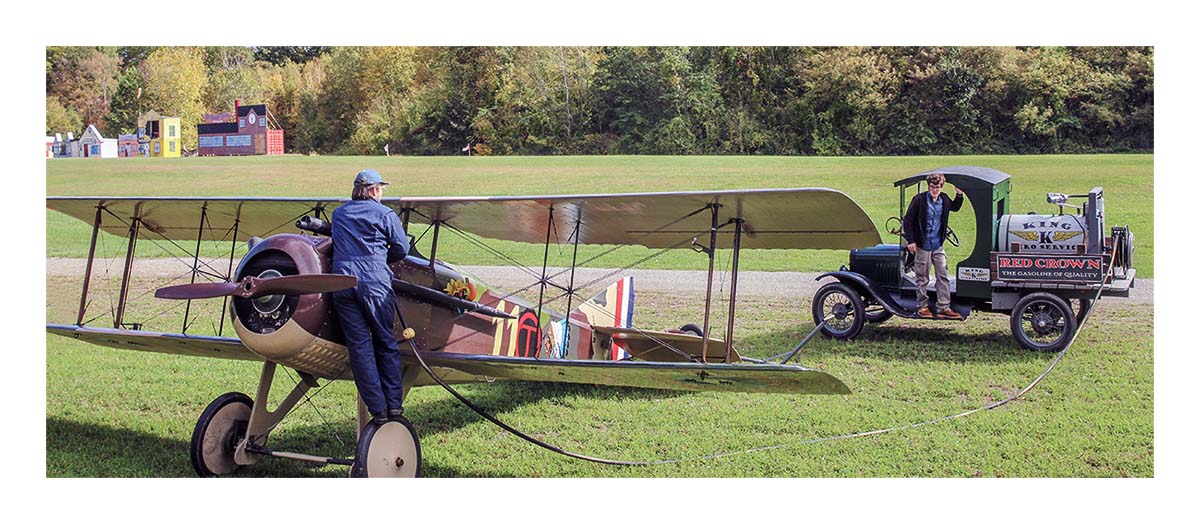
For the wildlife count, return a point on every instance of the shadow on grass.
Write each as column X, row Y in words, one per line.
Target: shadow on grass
column 446, row 414
column 901, row 343
column 82, row 449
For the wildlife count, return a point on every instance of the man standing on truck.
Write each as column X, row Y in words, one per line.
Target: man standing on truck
column 925, row 225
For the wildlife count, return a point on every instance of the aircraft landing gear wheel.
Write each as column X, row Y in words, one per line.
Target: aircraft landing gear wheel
column 390, row 450
column 1042, row 322
column 221, row 427
column 845, row 308
column 693, row 329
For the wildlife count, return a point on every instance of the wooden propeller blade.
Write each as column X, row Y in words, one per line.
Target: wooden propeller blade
column 251, row 287
column 197, row 291
column 296, row 285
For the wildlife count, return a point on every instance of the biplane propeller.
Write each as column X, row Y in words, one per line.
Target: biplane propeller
column 254, row 287
column 458, row 329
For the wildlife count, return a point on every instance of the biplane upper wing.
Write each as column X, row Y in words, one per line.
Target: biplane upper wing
column 799, row 218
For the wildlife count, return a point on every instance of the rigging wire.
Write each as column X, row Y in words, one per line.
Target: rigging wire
column 308, row 400
column 1054, row 363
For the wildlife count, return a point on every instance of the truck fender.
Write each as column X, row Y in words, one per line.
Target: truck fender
column 867, row 288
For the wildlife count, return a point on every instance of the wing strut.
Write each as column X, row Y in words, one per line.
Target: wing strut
column 87, row 273
column 711, row 251
column 133, row 237
column 196, row 261
column 737, row 248
column 237, row 220
column 437, row 226
column 574, row 257
column 542, row 282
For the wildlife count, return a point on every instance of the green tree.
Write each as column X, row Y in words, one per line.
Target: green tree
column 629, row 96
column 175, row 82
column 755, row 85
column 60, row 119
column 281, row 55
column 125, row 106
column 454, row 87
column 541, row 102
column 233, row 74
column 83, row 79
column 847, row 91
column 133, row 56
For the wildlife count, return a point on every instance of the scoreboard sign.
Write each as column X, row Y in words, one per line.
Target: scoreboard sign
column 1050, row 268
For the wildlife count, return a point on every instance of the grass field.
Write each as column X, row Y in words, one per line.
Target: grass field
column 120, row 413
column 1128, row 181
column 129, row 414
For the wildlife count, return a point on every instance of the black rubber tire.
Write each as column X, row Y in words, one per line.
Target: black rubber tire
column 383, row 462
column 693, row 329
column 1042, row 322
column 221, row 426
column 875, row 313
column 846, row 306
column 1085, row 305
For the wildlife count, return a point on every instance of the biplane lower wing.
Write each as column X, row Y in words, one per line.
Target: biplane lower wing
column 461, row 368
column 172, row 343
column 750, row 378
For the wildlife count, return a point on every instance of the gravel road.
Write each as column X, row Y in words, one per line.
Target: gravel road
column 750, row 283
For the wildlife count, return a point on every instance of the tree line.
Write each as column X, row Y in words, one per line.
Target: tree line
column 628, row 100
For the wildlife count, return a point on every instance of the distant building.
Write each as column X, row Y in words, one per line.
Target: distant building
column 127, row 146
column 62, row 147
column 159, row 136
column 92, row 145
column 248, row 133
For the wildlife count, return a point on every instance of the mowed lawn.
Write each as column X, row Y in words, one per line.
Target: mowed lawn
column 122, row 413
column 129, row 414
column 1128, row 181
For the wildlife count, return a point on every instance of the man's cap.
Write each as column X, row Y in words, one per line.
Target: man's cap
column 368, row 177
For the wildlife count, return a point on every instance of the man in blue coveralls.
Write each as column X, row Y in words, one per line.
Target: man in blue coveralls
column 366, row 236
column 925, row 226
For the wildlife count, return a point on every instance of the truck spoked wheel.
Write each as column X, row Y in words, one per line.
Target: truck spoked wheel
column 1042, row 322
column 221, row 427
column 388, row 450
column 843, row 306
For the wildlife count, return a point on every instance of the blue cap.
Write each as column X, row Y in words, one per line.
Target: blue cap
column 368, row 177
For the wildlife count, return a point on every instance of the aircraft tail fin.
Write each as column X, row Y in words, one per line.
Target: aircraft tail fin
column 612, row 307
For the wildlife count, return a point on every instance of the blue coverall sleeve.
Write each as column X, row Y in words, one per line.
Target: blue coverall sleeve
column 397, row 238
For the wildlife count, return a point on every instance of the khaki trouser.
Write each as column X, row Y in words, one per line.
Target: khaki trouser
column 921, row 268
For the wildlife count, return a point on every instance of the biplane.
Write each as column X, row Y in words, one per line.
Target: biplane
column 454, row 328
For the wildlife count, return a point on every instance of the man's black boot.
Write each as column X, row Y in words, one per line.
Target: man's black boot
column 395, row 414
column 379, row 419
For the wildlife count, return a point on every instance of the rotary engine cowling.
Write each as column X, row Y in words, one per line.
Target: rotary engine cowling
column 299, row 331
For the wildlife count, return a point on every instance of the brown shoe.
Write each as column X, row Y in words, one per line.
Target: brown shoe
column 950, row 314
column 924, row 313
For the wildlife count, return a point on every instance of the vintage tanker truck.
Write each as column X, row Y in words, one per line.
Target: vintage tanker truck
column 1032, row 267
